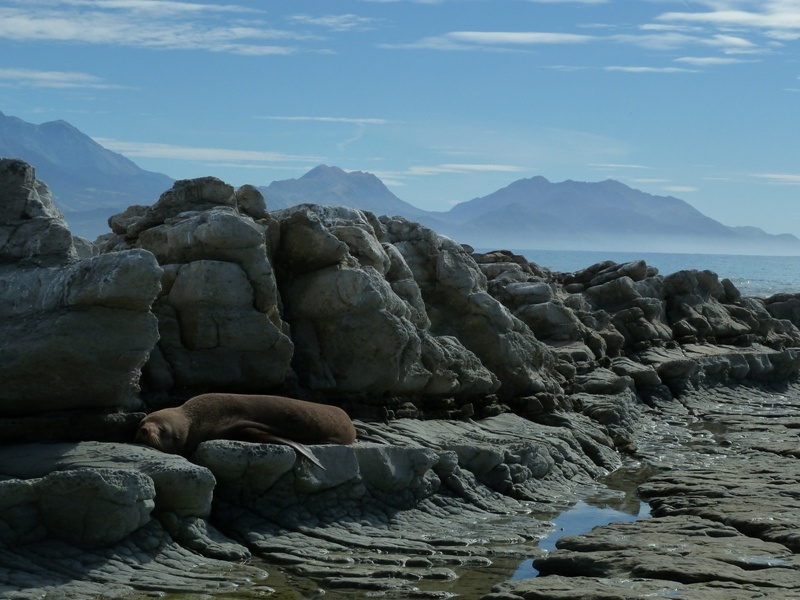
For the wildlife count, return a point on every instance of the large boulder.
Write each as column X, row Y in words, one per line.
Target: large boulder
column 459, row 304
column 74, row 334
column 219, row 316
column 357, row 315
column 32, row 229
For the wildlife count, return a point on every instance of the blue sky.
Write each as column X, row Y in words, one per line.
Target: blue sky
column 443, row 100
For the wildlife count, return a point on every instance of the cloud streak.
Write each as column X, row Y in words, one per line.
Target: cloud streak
column 347, row 22
column 349, row 120
column 780, row 178
column 461, row 168
column 652, row 37
column 62, row 80
column 488, row 40
column 153, row 24
column 774, row 18
column 173, row 152
column 640, row 69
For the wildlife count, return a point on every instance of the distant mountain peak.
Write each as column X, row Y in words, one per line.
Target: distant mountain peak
column 331, row 185
column 88, row 182
column 323, row 171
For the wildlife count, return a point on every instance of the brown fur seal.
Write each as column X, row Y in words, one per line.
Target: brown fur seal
column 246, row 418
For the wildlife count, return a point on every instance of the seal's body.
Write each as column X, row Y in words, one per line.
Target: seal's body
column 247, row 418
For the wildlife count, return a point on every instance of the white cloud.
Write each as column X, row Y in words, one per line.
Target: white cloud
column 773, row 18
column 617, row 166
column 710, row 61
column 169, row 151
column 780, row 178
column 680, row 188
column 53, row 79
column 149, row 24
column 462, row 168
column 674, row 40
column 515, row 37
column 477, row 40
column 569, row 1
column 346, row 22
column 356, row 121
column 151, row 6
column 649, row 69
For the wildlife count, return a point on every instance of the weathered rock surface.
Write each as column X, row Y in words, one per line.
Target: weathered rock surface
column 435, row 501
column 567, row 376
column 75, row 333
column 724, row 509
column 218, row 313
column 357, row 313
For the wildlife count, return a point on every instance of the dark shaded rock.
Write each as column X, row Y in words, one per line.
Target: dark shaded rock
column 61, row 316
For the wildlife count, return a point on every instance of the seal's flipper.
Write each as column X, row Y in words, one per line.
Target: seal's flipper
column 254, row 433
column 301, row 448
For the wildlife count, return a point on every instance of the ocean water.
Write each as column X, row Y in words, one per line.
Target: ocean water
column 753, row 275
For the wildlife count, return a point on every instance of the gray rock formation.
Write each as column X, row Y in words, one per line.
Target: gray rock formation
column 723, row 509
column 458, row 304
column 75, row 333
column 357, row 313
column 218, row 312
column 503, row 392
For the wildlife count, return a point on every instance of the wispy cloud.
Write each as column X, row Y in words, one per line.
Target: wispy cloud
column 462, row 168
column 347, row 22
column 710, row 61
column 517, row 38
column 151, row 24
column 169, row 151
column 350, row 120
column 617, row 166
column 680, row 189
column 53, row 79
column 778, row 19
column 637, row 69
column 674, row 40
column 648, row 180
column 569, row 1
column 493, row 40
column 779, row 178
column 653, row 37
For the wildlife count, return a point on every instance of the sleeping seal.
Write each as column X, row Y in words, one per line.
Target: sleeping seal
column 246, row 418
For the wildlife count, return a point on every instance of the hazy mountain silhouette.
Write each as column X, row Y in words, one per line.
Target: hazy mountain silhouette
column 88, row 182
column 332, row 186
column 535, row 213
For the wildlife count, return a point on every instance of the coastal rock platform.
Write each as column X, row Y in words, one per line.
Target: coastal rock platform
column 724, row 500
column 490, row 395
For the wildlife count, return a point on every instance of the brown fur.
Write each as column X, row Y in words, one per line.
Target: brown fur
column 248, row 418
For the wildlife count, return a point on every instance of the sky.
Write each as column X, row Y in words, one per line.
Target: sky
column 443, row 100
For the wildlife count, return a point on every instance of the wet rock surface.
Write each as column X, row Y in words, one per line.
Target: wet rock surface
column 724, row 504
column 491, row 395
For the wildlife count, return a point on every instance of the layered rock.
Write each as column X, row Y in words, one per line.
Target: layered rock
column 458, row 304
column 417, row 335
column 218, row 312
column 665, row 333
column 358, row 315
column 723, row 502
column 75, row 333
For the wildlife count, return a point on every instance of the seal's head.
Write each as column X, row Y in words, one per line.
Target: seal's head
column 164, row 430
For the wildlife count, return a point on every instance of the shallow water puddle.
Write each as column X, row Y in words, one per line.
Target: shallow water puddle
column 579, row 519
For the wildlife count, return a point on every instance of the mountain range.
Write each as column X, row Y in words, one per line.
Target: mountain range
column 90, row 183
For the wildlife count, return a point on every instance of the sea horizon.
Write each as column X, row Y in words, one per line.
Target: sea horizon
column 753, row 275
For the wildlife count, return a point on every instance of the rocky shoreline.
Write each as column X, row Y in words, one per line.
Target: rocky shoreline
column 494, row 394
